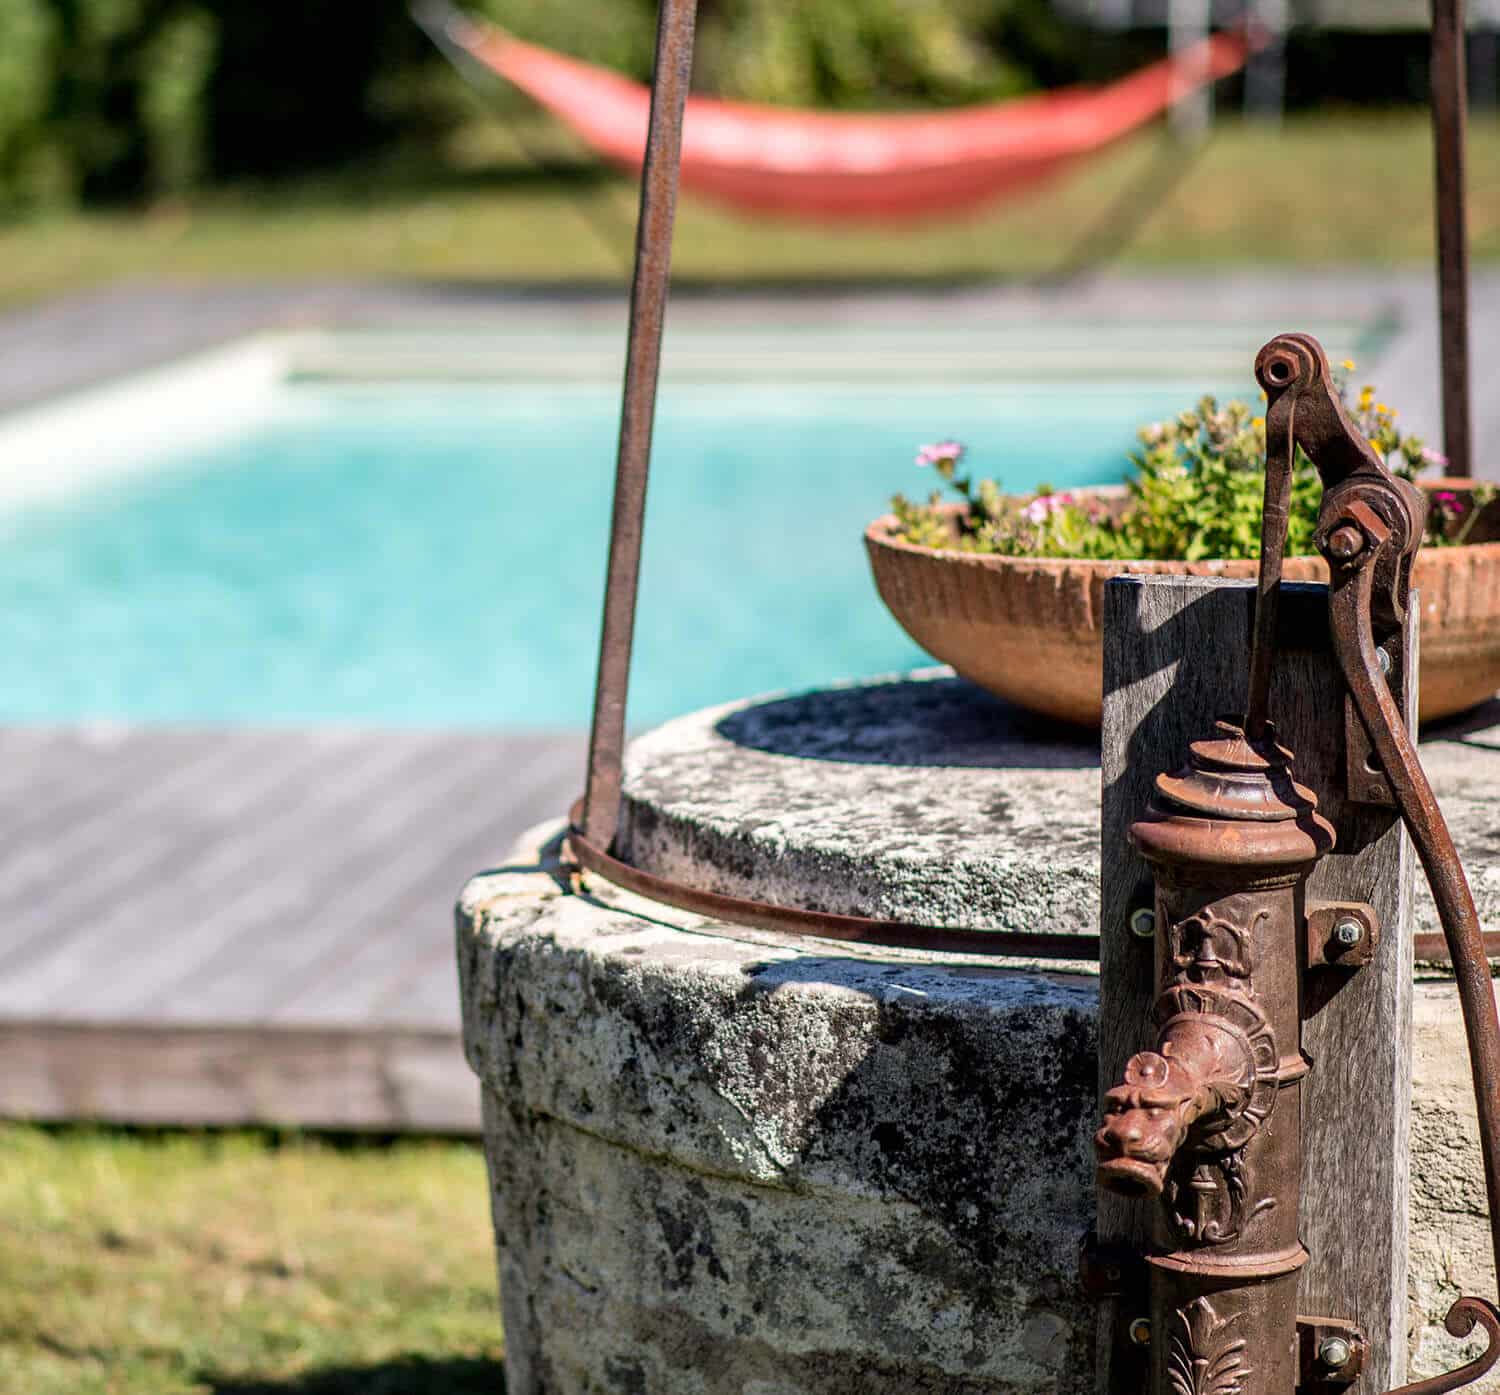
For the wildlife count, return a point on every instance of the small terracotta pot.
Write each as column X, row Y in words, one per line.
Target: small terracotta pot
column 1028, row 629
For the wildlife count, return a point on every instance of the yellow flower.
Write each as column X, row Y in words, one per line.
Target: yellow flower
column 1258, row 422
column 1347, row 365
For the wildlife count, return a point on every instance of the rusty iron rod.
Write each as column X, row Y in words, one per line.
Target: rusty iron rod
column 1449, row 118
column 676, row 22
column 1354, row 642
column 1275, row 513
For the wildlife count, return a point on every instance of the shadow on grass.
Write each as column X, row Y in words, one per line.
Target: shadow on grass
column 409, row 1375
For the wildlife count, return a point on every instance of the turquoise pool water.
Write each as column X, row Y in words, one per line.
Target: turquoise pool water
column 432, row 554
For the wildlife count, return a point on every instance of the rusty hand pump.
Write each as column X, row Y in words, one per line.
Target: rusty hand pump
column 1206, row 1126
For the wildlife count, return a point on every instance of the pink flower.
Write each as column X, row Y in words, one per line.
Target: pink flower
column 1040, row 509
column 939, row 450
column 1434, row 457
column 1448, row 500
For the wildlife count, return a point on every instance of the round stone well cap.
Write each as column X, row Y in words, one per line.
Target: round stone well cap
column 919, row 798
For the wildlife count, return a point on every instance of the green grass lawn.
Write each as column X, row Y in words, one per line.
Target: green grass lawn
column 1330, row 190
column 242, row 1264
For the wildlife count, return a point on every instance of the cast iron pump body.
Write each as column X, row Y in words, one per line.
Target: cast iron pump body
column 1207, row 1125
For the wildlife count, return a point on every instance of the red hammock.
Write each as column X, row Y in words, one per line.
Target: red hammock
column 839, row 166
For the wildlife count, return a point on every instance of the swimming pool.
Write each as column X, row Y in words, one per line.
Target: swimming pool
column 429, row 552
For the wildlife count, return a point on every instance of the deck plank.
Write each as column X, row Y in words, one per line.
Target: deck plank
column 256, row 882
column 237, row 925
column 93, row 822
column 349, row 984
column 419, row 830
column 148, row 871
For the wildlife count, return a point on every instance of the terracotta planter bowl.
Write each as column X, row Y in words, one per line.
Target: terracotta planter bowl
column 1028, row 629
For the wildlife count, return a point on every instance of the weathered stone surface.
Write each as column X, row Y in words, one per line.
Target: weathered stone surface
column 730, row 1164
column 730, row 1167
column 723, row 1166
column 1462, row 759
column 924, row 799
column 1450, row 1229
column 921, row 799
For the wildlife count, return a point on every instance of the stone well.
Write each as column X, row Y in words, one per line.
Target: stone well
column 729, row 1161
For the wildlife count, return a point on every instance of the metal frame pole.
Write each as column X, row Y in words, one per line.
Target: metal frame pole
column 1265, row 72
column 676, row 23
column 1449, row 118
column 1191, row 112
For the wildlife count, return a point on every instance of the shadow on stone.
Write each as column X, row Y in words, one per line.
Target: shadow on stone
column 407, row 1375
column 929, row 722
column 1462, row 727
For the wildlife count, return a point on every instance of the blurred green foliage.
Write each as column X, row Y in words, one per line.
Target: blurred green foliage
column 830, row 52
column 109, row 100
column 842, row 53
column 126, row 100
column 101, row 97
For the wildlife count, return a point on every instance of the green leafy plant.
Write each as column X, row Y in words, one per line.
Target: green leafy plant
column 1196, row 492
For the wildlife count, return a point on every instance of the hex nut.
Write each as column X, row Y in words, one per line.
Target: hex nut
column 1334, row 1352
column 1346, row 542
column 1143, row 922
column 1348, row 933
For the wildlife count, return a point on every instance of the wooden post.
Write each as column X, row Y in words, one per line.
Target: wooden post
column 1176, row 656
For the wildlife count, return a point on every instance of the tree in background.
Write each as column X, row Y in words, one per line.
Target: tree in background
column 879, row 52
column 101, row 98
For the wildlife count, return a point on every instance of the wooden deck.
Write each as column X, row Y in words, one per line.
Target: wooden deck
column 236, row 925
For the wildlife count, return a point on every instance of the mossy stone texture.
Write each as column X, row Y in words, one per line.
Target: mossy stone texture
column 732, row 1163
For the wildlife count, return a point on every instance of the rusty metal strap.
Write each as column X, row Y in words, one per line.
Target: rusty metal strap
column 789, row 920
column 896, row 934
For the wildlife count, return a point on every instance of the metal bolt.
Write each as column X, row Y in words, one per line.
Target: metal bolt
column 1346, row 542
column 1334, row 1352
column 1140, row 1332
column 1348, row 933
column 1143, row 922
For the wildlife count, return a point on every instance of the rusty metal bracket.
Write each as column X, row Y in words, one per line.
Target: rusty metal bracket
column 1331, row 1354
column 1341, row 935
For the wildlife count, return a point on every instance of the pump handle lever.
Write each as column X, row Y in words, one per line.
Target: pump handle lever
column 1370, row 526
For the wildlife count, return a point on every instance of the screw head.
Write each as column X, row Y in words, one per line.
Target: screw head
column 1140, row 1332
column 1143, row 922
column 1334, row 1352
column 1348, row 933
